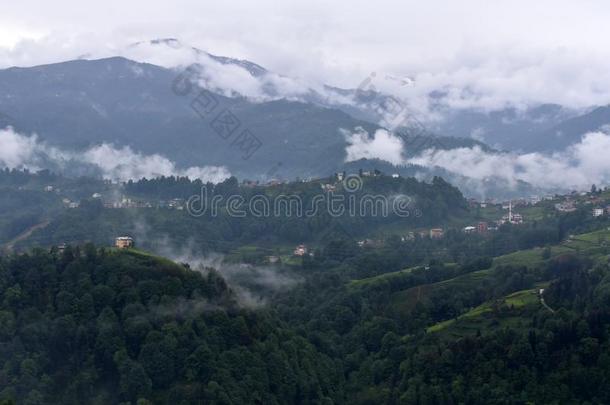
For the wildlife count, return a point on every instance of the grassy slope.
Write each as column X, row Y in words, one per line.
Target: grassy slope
column 155, row 262
column 510, row 311
column 367, row 282
column 511, row 307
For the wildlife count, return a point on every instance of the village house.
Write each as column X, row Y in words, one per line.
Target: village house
column 436, row 233
column 370, row 243
column 567, row 206
column 272, row 259
column 514, row 219
column 408, row 236
column 328, row 187
column 482, row 227
column 123, row 242
column 300, row 250
column 250, row 183
column 274, row 182
column 598, row 212
column 176, row 203
column 470, row 229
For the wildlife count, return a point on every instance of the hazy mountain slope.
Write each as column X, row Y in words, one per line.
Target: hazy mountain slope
column 571, row 131
column 507, row 128
column 80, row 103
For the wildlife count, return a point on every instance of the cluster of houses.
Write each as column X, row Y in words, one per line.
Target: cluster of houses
column 272, row 182
column 482, row 227
column 519, row 202
column 124, row 202
column 566, row 206
column 569, row 205
column 69, row 203
column 176, row 204
column 120, row 242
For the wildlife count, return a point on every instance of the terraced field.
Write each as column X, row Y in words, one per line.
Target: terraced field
column 511, row 310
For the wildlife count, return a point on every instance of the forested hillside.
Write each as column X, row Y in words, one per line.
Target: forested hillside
column 98, row 326
column 422, row 204
column 368, row 326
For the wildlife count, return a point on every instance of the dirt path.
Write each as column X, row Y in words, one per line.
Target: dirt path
column 544, row 304
column 26, row 234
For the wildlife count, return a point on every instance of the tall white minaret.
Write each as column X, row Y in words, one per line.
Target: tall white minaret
column 510, row 211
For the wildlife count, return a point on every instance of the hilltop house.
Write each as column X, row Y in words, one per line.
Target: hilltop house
column 123, row 242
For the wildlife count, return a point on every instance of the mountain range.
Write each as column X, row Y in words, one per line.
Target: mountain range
column 185, row 116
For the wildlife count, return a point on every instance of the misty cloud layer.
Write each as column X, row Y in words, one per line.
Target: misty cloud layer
column 577, row 167
column 252, row 284
column 381, row 145
column 20, row 151
column 477, row 54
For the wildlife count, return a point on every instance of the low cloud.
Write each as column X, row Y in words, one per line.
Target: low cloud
column 184, row 308
column 20, row 151
column 382, row 145
column 252, row 284
column 577, row 167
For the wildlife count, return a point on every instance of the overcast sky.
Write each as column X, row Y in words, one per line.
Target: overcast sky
column 524, row 51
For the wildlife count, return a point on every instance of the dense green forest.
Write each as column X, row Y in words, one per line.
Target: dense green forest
column 514, row 316
column 103, row 326
column 95, row 326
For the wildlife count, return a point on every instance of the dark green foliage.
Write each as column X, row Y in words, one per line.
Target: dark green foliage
column 92, row 326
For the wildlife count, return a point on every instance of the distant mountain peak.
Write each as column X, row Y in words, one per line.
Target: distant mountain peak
column 254, row 69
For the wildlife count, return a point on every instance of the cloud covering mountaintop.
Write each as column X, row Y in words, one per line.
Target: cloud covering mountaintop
column 477, row 53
